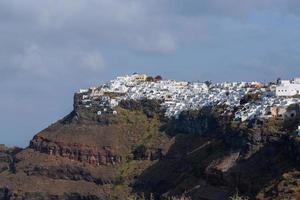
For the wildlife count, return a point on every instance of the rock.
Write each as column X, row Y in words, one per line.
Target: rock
column 136, row 152
column 7, row 158
column 218, row 172
column 82, row 153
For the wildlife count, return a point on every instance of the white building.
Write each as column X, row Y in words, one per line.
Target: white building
column 288, row 88
column 83, row 90
column 178, row 96
column 299, row 130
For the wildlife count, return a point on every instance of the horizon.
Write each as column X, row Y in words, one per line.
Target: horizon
column 50, row 49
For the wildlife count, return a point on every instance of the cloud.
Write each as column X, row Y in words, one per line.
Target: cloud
column 44, row 36
column 92, row 61
column 162, row 43
column 231, row 8
column 51, row 36
column 31, row 60
column 51, row 48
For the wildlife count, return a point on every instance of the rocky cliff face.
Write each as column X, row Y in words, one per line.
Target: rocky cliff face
column 76, row 152
column 7, row 158
column 137, row 153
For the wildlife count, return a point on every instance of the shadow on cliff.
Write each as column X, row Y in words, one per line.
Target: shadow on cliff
column 214, row 168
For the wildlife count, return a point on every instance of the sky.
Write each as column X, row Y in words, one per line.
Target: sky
column 50, row 49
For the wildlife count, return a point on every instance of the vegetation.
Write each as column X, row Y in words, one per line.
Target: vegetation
column 297, row 96
column 158, row 78
column 249, row 97
column 113, row 94
column 208, row 83
column 145, row 132
column 150, row 79
column 144, row 127
column 151, row 197
column 139, row 152
column 238, row 197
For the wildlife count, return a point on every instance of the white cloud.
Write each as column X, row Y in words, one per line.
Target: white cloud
column 31, row 60
column 58, row 46
column 93, row 61
column 158, row 43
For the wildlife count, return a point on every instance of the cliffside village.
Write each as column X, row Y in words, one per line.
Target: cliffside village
column 281, row 99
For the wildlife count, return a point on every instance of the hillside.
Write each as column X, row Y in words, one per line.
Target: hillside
column 133, row 150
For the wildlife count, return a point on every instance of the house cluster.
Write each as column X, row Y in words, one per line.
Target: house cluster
column 177, row 96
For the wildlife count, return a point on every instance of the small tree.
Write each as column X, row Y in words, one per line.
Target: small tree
column 208, row 83
column 238, row 197
column 139, row 152
column 150, row 79
column 158, row 78
column 278, row 80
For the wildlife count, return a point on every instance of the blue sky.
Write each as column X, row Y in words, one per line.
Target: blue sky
column 51, row 48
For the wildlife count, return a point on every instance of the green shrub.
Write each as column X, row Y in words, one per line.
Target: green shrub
column 238, row 197
column 139, row 152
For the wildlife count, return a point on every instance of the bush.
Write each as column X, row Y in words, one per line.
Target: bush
column 150, row 79
column 250, row 97
column 238, row 197
column 139, row 152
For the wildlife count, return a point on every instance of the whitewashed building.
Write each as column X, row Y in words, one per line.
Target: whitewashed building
column 178, row 96
column 288, row 88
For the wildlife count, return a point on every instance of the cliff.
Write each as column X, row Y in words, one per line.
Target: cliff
column 133, row 152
